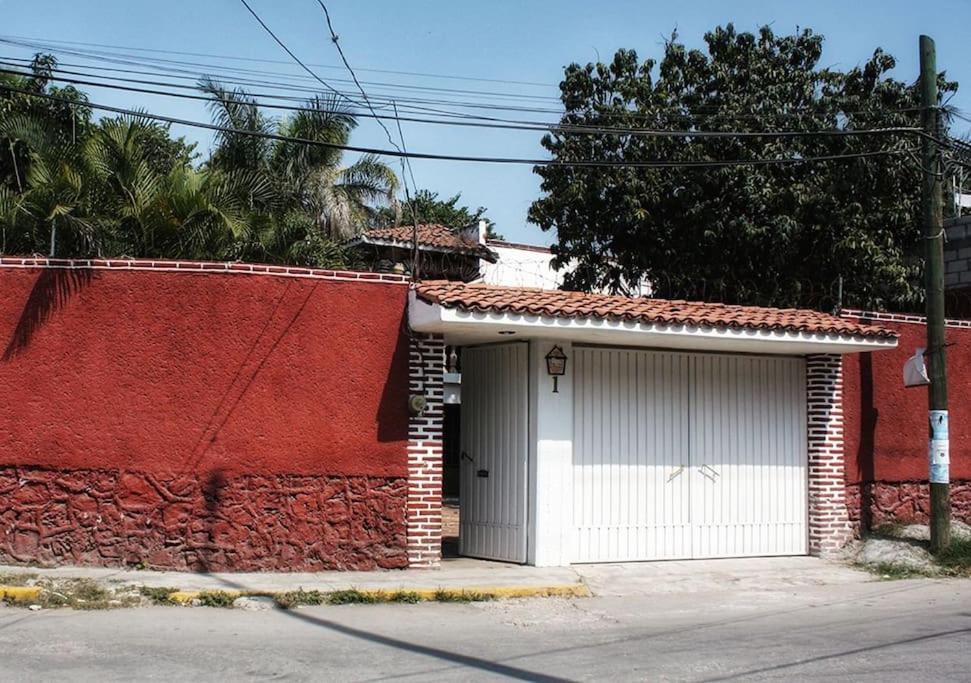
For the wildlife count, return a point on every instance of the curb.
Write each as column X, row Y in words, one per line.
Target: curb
column 20, row 593
column 573, row 590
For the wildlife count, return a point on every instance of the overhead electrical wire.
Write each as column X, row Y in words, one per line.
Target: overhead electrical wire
column 384, row 97
column 450, row 157
column 405, row 161
column 270, row 61
column 195, row 75
column 259, row 77
column 501, row 124
column 700, row 110
column 288, row 50
column 136, row 61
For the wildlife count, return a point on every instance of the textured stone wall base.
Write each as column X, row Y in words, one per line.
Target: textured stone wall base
column 216, row 522
column 875, row 503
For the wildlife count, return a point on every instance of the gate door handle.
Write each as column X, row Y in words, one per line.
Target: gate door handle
column 466, row 456
column 713, row 475
column 676, row 473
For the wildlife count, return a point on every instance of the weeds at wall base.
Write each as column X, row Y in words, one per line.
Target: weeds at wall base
column 955, row 562
column 79, row 594
column 354, row 596
column 157, row 595
column 30, row 590
column 957, row 558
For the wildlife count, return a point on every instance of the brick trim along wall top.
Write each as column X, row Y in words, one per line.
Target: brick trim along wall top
column 829, row 525
column 876, row 316
column 198, row 266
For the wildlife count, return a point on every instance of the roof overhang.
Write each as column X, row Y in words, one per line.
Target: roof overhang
column 463, row 327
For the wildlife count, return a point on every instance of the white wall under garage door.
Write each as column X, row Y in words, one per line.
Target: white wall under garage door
column 688, row 455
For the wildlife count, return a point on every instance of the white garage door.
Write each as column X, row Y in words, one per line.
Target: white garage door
column 688, row 455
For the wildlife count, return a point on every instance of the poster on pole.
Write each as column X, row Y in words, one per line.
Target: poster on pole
column 938, row 448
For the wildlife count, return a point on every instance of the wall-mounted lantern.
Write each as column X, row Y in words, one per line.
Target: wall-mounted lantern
column 556, row 366
column 452, row 379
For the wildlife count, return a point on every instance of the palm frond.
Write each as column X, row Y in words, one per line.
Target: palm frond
column 237, row 111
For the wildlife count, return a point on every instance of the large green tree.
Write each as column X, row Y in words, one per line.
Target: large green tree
column 775, row 234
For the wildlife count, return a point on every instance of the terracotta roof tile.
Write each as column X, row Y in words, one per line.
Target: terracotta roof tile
column 430, row 235
column 562, row 304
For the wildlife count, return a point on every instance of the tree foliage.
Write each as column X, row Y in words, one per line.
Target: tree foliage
column 772, row 235
column 73, row 186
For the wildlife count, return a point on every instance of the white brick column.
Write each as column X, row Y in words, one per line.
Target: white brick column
column 424, row 512
column 829, row 522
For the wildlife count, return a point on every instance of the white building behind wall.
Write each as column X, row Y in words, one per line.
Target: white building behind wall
column 521, row 265
column 527, row 265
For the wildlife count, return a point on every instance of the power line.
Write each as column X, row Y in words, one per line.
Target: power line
column 405, row 162
column 502, row 124
column 272, row 61
column 249, row 74
column 385, row 97
column 959, row 114
column 137, row 60
column 340, row 51
column 290, row 52
column 696, row 111
column 659, row 164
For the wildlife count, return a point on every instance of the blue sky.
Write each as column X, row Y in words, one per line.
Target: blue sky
column 502, row 39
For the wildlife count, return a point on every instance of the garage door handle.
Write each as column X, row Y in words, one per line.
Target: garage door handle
column 466, row 456
column 713, row 475
column 676, row 473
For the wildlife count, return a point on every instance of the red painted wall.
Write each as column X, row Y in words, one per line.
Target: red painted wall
column 172, row 372
column 886, row 427
column 201, row 420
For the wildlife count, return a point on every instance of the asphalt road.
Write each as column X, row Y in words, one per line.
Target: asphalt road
column 883, row 631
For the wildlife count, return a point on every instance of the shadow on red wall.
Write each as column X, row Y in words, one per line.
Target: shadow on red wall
column 203, row 421
column 52, row 289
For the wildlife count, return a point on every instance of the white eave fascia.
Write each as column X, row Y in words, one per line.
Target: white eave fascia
column 467, row 327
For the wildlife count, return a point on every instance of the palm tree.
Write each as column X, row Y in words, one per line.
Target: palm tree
column 338, row 201
column 52, row 192
column 128, row 188
column 57, row 182
column 122, row 186
column 209, row 213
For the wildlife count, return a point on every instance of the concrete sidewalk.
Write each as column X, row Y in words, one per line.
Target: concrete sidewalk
column 500, row 579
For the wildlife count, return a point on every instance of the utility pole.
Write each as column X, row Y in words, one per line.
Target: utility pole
column 932, row 192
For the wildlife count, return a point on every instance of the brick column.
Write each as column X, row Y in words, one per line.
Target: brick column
column 829, row 522
column 427, row 363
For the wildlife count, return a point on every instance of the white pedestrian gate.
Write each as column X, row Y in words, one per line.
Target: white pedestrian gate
column 492, row 493
column 688, row 455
